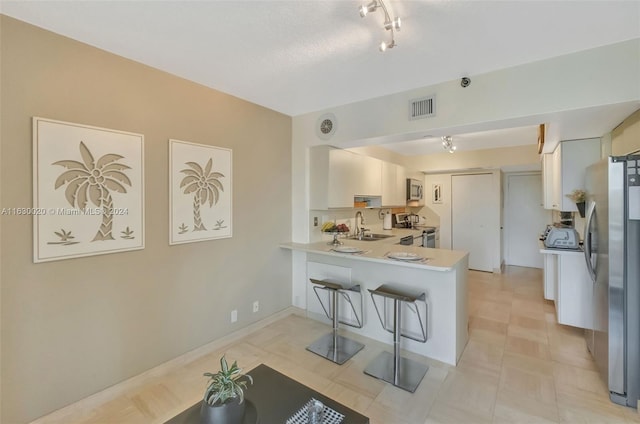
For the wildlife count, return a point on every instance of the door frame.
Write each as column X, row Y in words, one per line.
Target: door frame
column 506, row 218
column 495, row 175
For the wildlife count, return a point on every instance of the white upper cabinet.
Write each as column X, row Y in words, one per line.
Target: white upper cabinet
column 548, row 181
column 394, row 185
column 342, row 175
column 367, row 180
column 337, row 176
column 564, row 171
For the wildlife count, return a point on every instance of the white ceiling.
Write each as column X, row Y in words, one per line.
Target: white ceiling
column 302, row 56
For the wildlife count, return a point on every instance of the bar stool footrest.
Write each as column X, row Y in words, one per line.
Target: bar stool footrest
column 336, row 348
column 410, row 375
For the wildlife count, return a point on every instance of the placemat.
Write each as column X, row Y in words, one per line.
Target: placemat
column 330, row 416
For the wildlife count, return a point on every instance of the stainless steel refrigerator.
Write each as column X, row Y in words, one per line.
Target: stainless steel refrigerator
column 612, row 253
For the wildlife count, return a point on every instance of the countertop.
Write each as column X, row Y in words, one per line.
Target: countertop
column 559, row 251
column 376, row 251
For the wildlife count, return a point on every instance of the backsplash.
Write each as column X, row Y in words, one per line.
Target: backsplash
column 372, row 219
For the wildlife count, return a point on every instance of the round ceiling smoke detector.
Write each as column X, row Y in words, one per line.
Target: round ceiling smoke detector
column 326, row 126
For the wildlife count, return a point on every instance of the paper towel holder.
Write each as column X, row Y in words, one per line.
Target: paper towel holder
column 386, row 222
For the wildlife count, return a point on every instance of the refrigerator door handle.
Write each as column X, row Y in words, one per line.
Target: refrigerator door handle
column 587, row 241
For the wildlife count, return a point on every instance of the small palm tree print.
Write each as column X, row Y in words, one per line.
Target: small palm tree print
column 65, row 238
column 127, row 234
column 205, row 186
column 93, row 181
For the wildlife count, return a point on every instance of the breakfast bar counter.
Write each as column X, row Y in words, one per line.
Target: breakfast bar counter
column 440, row 273
column 442, row 260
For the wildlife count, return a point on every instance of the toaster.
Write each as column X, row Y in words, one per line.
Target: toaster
column 563, row 238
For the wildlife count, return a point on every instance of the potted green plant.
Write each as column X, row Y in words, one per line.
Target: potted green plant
column 223, row 401
column 579, row 197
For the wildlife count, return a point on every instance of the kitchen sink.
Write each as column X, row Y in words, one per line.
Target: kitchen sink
column 371, row 237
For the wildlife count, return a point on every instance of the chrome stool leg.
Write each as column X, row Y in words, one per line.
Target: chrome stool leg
column 393, row 368
column 332, row 346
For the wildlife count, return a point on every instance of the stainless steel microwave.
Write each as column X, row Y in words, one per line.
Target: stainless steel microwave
column 415, row 189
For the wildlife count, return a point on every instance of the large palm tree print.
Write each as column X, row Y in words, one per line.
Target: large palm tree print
column 93, row 181
column 205, row 186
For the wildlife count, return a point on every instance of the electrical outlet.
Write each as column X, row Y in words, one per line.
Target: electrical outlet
column 234, row 315
column 256, row 306
column 315, row 221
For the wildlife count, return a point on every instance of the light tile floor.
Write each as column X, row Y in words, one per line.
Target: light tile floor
column 518, row 367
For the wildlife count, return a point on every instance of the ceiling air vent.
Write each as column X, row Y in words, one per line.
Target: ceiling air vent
column 326, row 126
column 422, row 108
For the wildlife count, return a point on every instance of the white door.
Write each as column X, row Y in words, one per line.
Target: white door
column 525, row 219
column 472, row 212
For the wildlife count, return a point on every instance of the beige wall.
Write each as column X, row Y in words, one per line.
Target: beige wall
column 73, row 327
column 626, row 136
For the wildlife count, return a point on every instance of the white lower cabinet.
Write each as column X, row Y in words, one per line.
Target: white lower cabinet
column 550, row 276
column 573, row 291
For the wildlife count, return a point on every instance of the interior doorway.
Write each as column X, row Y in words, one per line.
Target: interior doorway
column 524, row 219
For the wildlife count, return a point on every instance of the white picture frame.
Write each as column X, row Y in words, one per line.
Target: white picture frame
column 200, row 192
column 88, row 190
column 436, row 196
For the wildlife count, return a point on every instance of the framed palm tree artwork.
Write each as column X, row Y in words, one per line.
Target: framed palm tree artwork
column 200, row 192
column 88, row 190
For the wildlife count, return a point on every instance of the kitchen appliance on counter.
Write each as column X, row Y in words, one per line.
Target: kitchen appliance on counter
column 407, row 240
column 612, row 252
column 406, row 220
column 415, row 189
column 426, row 239
column 545, row 233
column 562, row 238
column 399, row 220
column 429, row 237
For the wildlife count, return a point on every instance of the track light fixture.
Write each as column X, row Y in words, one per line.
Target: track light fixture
column 394, row 24
column 384, row 45
column 447, row 143
column 371, row 7
column 391, row 25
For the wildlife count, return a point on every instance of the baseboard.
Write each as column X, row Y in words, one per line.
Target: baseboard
column 110, row 393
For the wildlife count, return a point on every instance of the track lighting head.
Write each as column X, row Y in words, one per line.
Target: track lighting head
column 384, row 45
column 389, row 24
column 365, row 9
column 447, row 143
column 394, row 24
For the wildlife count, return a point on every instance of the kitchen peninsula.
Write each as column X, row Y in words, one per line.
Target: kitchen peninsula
column 441, row 275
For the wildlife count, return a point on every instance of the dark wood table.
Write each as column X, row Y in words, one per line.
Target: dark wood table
column 273, row 399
